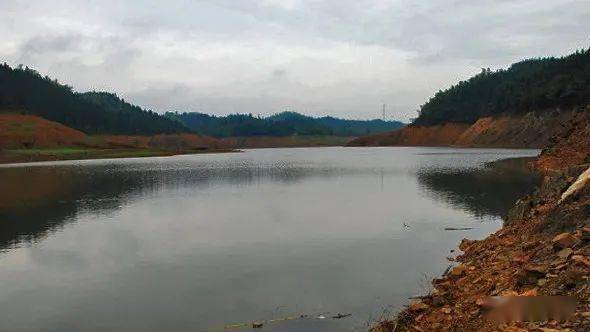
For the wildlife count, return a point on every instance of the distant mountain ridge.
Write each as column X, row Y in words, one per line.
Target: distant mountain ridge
column 25, row 90
column 280, row 124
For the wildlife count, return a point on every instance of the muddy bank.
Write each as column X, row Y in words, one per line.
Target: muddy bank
column 532, row 130
column 543, row 249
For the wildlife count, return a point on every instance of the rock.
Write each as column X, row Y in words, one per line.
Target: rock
column 458, row 271
column 481, row 302
column 561, row 266
column 565, row 253
column 530, row 292
column 558, row 261
column 581, row 260
column 577, row 185
column 514, row 329
column 530, row 245
column 531, row 274
column 442, row 284
column 521, row 259
column 438, row 301
column 417, row 306
column 540, row 269
column 465, row 243
column 564, row 240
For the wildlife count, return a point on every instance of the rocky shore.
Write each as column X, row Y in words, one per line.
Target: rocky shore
column 543, row 249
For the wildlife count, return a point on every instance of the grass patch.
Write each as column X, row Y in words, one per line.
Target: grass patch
column 51, row 151
column 69, row 153
column 134, row 153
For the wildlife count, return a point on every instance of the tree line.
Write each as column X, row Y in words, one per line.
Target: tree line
column 25, row 90
column 539, row 84
column 280, row 124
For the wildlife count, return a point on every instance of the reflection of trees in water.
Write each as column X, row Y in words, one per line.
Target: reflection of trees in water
column 35, row 201
column 483, row 191
column 38, row 200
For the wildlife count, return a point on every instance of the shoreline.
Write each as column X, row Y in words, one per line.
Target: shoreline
column 69, row 153
column 48, row 155
column 542, row 249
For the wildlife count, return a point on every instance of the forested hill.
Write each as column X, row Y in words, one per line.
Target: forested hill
column 281, row 124
column 25, row 90
column 530, row 85
column 91, row 112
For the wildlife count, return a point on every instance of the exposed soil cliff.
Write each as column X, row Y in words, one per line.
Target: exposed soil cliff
column 542, row 250
column 18, row 131
column 531, row 130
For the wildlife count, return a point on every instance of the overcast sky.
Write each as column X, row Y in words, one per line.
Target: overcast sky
column 340, row 57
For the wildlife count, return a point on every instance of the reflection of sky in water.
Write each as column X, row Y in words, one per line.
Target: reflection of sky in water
column 206, row 240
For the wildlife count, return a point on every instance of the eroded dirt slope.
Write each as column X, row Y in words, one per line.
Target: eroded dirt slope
column 532, row 130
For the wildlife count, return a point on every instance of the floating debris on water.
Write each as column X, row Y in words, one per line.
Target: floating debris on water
column 458, row 228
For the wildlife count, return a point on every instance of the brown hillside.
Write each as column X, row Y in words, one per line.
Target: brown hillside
column 531, row 130
column 27, row 138
column 571, row 146
column 18, row 131
column 167, row 142
column 439, row 135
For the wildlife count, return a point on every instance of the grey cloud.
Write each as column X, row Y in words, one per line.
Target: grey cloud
column 278, row 73
column 345, row 57
column 40, row 45
column 183, row 98
column 487, row 30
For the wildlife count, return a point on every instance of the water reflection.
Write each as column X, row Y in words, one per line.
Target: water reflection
column 491, row 190
column 194, row 242
column 36, row 200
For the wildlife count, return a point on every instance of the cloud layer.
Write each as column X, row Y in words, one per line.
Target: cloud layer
column 339, row 57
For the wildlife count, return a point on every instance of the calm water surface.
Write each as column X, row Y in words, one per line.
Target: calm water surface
column 198, row 242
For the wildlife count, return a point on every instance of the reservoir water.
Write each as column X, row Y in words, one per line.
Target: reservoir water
column 201, row 242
